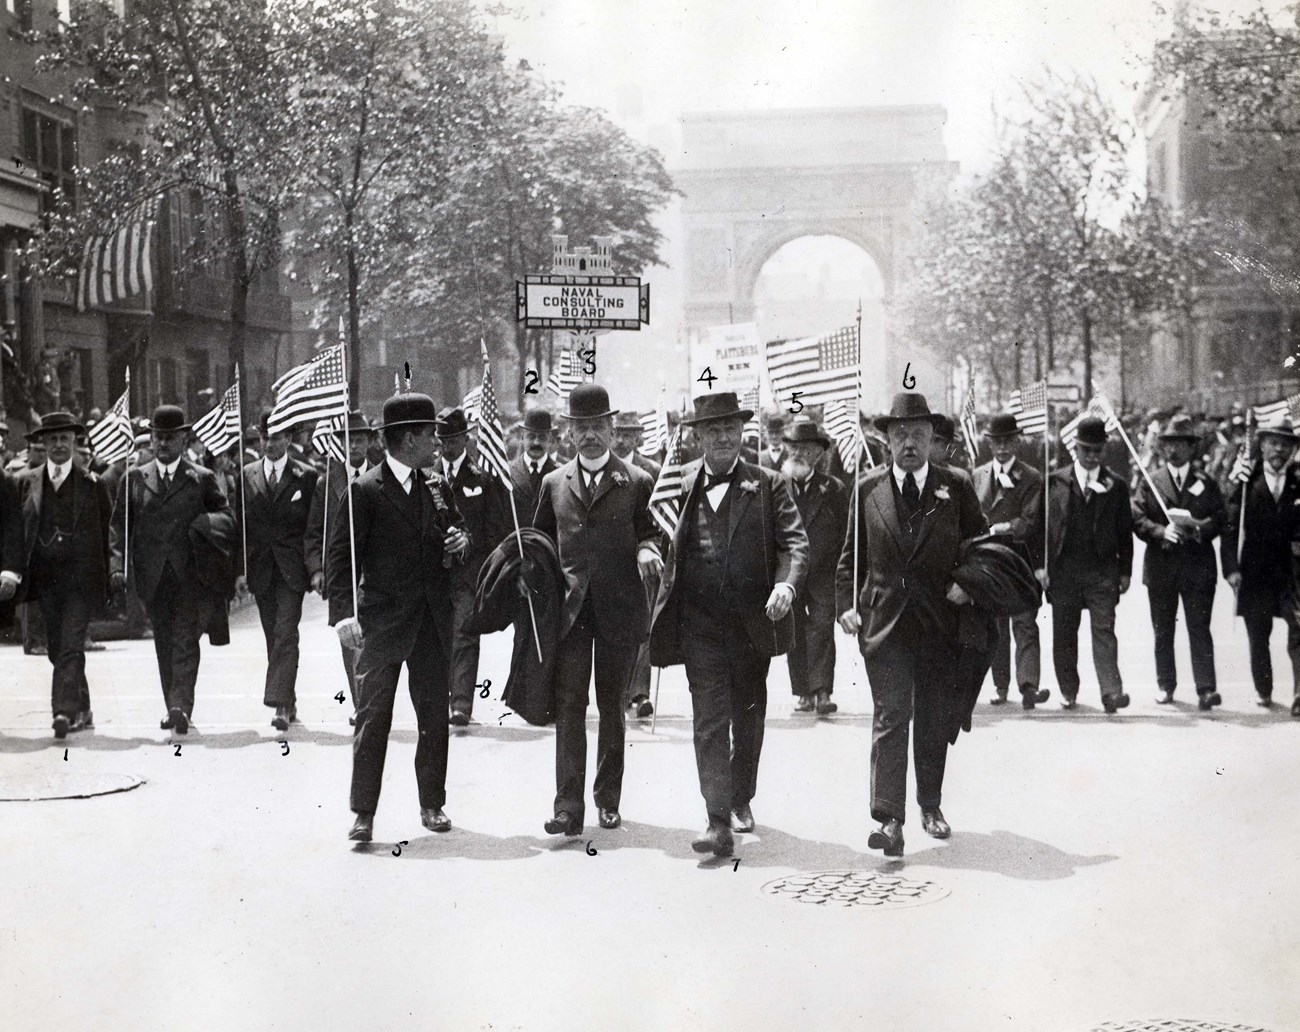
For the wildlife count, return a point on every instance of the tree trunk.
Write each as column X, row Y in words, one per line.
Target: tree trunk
column 354, row 307
column 1087, row 354
column 1050, row 357
column 1017, row 368
column 521, row 349
column 241, row 275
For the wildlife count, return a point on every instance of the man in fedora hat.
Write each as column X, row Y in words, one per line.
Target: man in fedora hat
column 64, row 562
column 328, row 505
column 913, row 517
column 277, row 492
column 1088, row 564
column 481, row 499
column 166, row 496
column 408, row 535
column 596, row 508
column 1011, row 495
column 1179, row 560
column 735, row 565
column 824, row 509
column 1262, row 576
column 773, row 454
column 529, row 467
column 627, row 446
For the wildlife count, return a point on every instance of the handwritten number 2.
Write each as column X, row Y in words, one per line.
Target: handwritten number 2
column 530, row 386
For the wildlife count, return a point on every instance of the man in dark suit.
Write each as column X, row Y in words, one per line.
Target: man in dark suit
column 914, row 516
column 1180, row 558
column 329, row 504
column 773, row 453
column 736, row 563
column 1257, row 556
column 823, row 506
column 596, row 508
column 407, row 536
column 277, row 494
column 1011, row 495
column 165, row 497
column 1089, row 564
column 11, row 546
column 65, row 513
column 529, row 467
column 627, row 446
column 485, row 508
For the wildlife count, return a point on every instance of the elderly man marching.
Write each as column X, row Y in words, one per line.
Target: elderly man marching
column 1179, row 559
column 596, row 508
column 1256, row 549
column 736, row 563
column 1011, row 495
column 913, row 518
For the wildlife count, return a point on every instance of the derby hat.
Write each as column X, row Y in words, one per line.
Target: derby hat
column 1180, row 428
column 538, row 421
column 775, row 423
column 588, row 401
column 1002, row 425
column 1091, row 431
column 408, row 410
column 908, row 406
column 805, row 431
column 722, row 405
column 628, row 421
column 52, row 421
column 452, row 423
column 168, row 419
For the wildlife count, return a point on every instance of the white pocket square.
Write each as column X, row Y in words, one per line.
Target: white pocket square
column 1196, row 489
column 470, row 492
column 296, row 496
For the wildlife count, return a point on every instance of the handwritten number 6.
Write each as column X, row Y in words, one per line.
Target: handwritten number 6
column 907, row 376
column 591, row 850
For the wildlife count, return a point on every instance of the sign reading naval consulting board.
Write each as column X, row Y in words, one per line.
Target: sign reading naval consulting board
column 582, row 302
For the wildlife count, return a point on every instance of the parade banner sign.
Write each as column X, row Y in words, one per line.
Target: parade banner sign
column 732, row 355
column 551, row 302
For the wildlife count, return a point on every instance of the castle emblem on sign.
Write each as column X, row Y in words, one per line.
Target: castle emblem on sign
column 582, row 261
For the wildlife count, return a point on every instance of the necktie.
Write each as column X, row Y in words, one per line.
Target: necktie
column 1275, row 486
column 714, row 479
column 167, row 482
column 272, row 480
column 1178, row 482
column 57, row 478
column 911, row 493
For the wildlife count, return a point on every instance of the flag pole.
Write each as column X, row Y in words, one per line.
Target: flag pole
column 857, row 457
column 1110, row 413
column 1241, row 516
column 239, row 444
column 1047, row 470
column 126, row 502
column 347, row 451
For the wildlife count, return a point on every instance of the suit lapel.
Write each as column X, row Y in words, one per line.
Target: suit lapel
column 740, row 498
column 883, row 499
column 574, row 479
column 816, row 495
column 396, row 496
column 151, row 475
column 1164, row 481
column 929, row 508
column 607, row 478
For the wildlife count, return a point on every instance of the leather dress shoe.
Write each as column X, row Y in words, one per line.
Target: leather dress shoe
column 563, row 823
column 1206, row 701
column 888, row 837
column 806, row 704
column 933, row 824
column 1114, row 703
column 363, row 828
column 434, row 819
column 281, row 719
column 999, row 698
column 180, row 721
column 1165, row 697
column 1295, row 707
column 1264, row 700
column 716, row 839
column 825, row 707
column 460, row 718
column 1031, row 696
column 742, row 819
column 61, row 724
column 166, row 723
column 609, row 818
column 641, row 706
column 1069, row 701
column 352, row 720
column 85, row 721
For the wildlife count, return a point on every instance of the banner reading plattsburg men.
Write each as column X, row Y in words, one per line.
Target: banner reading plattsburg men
column 728, row 358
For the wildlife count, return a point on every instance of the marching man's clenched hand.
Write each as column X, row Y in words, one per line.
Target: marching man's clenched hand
column 850, row 622
column 349, row 632
column 779, row 602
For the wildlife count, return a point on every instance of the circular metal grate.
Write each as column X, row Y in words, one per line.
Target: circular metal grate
column 835, row 889
column 1174, row 1025
column 34, row 786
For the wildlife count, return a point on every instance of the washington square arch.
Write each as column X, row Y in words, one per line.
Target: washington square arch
column 755, row 181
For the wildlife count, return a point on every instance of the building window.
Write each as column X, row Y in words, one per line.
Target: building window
column 50, row 147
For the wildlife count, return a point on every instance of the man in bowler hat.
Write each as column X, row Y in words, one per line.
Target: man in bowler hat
column 823, row 506
column 485, row 508
column 1180, row 560
column 408, row 535
column 277, row 493
column 596, row 508
column 1011, row 495
column 735, row 565
column 166, row 496
column 64, row 563
column 532, row 464
column 913, row 518
column 1088, row 565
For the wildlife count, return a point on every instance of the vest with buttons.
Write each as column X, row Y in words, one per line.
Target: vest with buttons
column 704, row 550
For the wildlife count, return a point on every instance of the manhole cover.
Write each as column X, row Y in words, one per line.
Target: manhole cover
column 1174, row 1025
column 835, row 889
column 30, row 787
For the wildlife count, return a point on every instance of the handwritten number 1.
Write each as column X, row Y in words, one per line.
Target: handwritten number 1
column 735, row 864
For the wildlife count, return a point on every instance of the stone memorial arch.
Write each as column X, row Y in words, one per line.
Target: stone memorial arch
column 754, row 181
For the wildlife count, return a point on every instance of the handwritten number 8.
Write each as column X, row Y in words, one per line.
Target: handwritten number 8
column 486, row 688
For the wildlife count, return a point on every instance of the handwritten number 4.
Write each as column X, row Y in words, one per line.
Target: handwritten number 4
column 339, row 698
column 706, row 377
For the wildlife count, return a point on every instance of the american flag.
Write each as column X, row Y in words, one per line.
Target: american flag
column 113, row 437
column 287, row 380
column 748, row 400
column 666, row 498
column 565, row 376
column 969, row 427
column 118, row 265
column 1276, row 413
column 654, row 432
column 491, row 438
column 472, row 403
column 219, row 429
column 325, row 437
column 318, row 393
column 1029, row 406
column 821, row 369
column 841, row 427
column 1098, row 408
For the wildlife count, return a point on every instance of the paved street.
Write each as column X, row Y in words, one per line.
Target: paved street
column 1101, row 868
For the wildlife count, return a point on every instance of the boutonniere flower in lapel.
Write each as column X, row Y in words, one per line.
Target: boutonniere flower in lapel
column 941, row 493
column 1098, row 486
column 749, row 485
column 619, row 477
column 193, row 474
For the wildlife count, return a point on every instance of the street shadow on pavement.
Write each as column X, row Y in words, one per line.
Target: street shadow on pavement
column 1005, row 853
column 501, row 733
column 248, row 737
column 457, row 844
column 87, row 740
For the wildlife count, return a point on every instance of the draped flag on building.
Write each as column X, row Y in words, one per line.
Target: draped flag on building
column 1276, row 413
column 969, row 427
column 491, row 438
column 819, row 369
column 566, row 375
column 219, row 429
column 1029, row 405
column 119, row 265
column 325, row 437
column 665, row 499
column 319, row 392
column 113, row 437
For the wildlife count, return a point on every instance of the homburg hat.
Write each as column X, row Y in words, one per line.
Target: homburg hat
column 1283, row 429
column 1180, row 428
column 53, row 421
column 628, row 421
column 722, row 405
column 908, row 406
